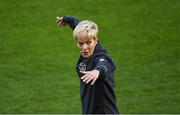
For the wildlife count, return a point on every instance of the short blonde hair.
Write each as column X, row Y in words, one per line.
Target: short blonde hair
column 85, row 28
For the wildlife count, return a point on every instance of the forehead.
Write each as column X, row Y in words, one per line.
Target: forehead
column 84, row 39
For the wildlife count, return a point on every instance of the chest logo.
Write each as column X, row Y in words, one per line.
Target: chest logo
column 82, row 67
column 101, row 59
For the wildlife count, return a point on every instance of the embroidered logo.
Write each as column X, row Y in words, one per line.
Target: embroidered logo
column 101, row 59
column 82, row 67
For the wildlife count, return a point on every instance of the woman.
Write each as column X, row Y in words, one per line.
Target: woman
column 95, row 68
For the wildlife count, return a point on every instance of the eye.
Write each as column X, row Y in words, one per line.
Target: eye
column 88, row 42
column 80, row 44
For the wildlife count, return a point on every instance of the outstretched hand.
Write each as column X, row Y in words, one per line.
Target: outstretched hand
column 60, row 22
column 90, row 76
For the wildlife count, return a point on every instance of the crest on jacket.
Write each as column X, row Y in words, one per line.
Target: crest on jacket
column 82, row 67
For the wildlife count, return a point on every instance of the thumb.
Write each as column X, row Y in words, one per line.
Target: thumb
column 58, row 17
column 83, row 72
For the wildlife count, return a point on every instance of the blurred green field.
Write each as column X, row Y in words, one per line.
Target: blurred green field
column 37, row 59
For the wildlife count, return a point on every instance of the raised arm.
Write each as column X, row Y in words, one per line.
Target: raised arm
column 70, row 20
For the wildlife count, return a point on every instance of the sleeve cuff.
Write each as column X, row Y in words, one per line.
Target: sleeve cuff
column 99, row 69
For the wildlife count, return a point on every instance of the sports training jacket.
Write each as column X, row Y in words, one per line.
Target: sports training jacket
column 100, row 97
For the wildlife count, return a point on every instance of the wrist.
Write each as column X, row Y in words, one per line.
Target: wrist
column 98, row 69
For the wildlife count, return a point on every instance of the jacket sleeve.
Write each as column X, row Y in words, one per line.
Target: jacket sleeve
column 71, row 21
column 102, row 65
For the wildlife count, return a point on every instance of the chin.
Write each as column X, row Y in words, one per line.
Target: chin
column 86, row 56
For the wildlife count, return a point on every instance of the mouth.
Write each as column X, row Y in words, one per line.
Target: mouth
column 85, row 54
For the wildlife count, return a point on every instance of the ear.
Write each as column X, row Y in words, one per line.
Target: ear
column 96, row 40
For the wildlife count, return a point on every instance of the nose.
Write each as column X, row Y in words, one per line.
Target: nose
column 84, row 47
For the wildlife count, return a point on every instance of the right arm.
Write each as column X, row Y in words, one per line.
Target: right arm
column 70, row 20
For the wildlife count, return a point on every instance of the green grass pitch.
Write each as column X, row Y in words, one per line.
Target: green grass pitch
column 37, row 59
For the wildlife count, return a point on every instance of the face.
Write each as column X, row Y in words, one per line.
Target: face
column 86, row 46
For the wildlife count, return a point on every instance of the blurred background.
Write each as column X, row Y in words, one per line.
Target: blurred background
column 37, row 59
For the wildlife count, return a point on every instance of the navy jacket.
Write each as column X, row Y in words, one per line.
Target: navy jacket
column 100, row 97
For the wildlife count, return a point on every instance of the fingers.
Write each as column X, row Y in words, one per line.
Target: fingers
column 89, row 79
column 90, row 76
column 59, row 19
column 60, row 22
column 92, row 83
column 85, row 76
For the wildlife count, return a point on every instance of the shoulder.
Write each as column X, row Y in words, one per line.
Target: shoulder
column 105, row 59
column 101, row 56
column 102, row 59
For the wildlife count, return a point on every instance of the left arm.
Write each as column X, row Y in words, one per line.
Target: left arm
column 100, row 68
